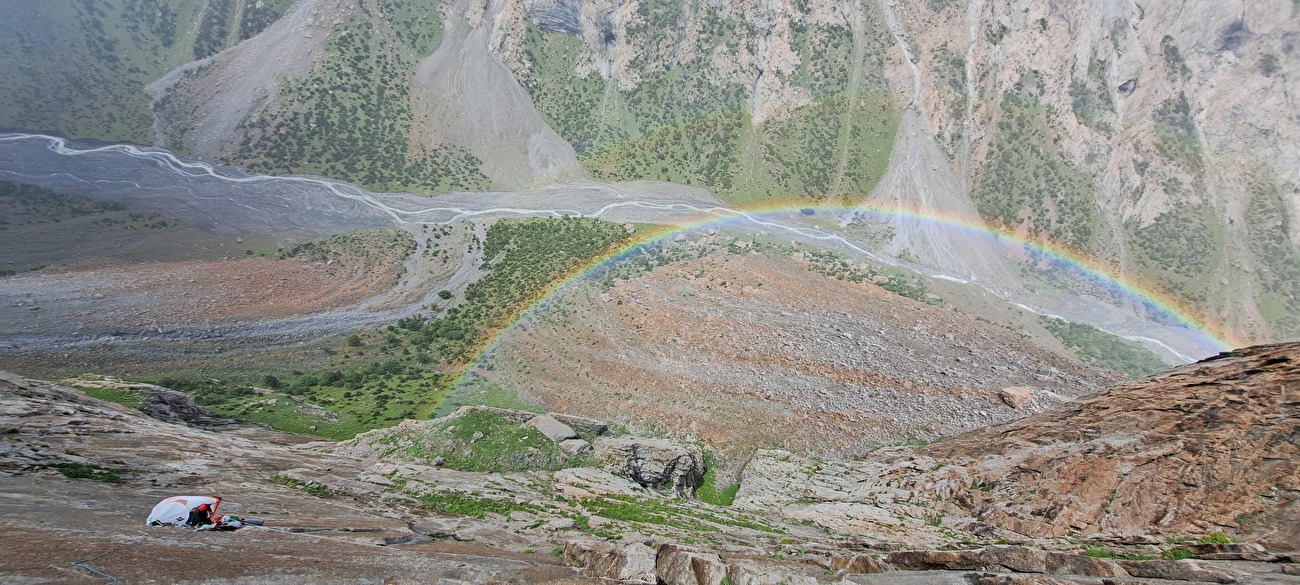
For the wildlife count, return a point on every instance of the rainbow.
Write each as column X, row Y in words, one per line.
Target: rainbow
column 1163, row 305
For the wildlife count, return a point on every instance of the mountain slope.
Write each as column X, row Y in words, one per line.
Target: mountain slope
column 79, row 67
column 754, row 343
column 1152, row 137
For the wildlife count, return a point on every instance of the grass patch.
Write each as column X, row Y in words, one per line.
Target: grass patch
column 84, row 471
column 501, row 446
column 466, row 505
column 124, row 397
column 314, row 489
column 709, row 491
column 1177, row 554
column 1106, row 553
column 1216, row 538
column 477, row 391
column 1096, row 347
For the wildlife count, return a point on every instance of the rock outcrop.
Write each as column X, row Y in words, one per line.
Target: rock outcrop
column 1208, row 448
column 653, row 463
column 551, row 428
column 368, row 521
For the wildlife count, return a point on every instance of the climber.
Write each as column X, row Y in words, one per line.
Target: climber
column 198, row 512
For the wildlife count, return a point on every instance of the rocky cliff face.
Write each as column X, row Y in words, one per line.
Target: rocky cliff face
column 1208, row 448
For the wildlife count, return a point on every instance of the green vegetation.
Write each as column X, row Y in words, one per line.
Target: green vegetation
column 466, row 505
column 1268, row 227
column 336, row 404
column 1102, row 349
column 124, row 397
column 484, row 442
column 314, row 489
column 523, row 257
column 22, row 205
column 475, row 391
column 1091, row 100
column 1179, row 247
column 79, row 67
column 1175, row 66
column 84, row 471
column 1106, row 553
column 351, row 117
column 680, row 122
column 709, row 491
column 1176, row 136
column 214, row 29
column 1026, row 180
column 1216, row 538
column 259, row 14
column 1177, row 554
column 379, row 378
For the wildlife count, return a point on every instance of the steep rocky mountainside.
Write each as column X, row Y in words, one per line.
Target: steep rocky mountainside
column 1157, row 137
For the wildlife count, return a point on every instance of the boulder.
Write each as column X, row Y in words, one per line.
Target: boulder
column 932, row 560
column 1029, row 579
column 653, row 463
column 574, row 446
column 551, row 428
column 857, row 564
column 1179, row 571
column 588, row 426
column 752, row 571
column 1016, row 396
column 898, row 578
column 1014, row 558
column 680, row 565
column 1075, row 564
column 1235, row 551
column 585, row 482
column 629, row 563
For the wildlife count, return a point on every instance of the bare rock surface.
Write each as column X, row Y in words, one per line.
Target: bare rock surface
column 551, row 428
column 628, row 563
column 1180, row 571
column 50, row 521
column 653, row 463
column 344, row 516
